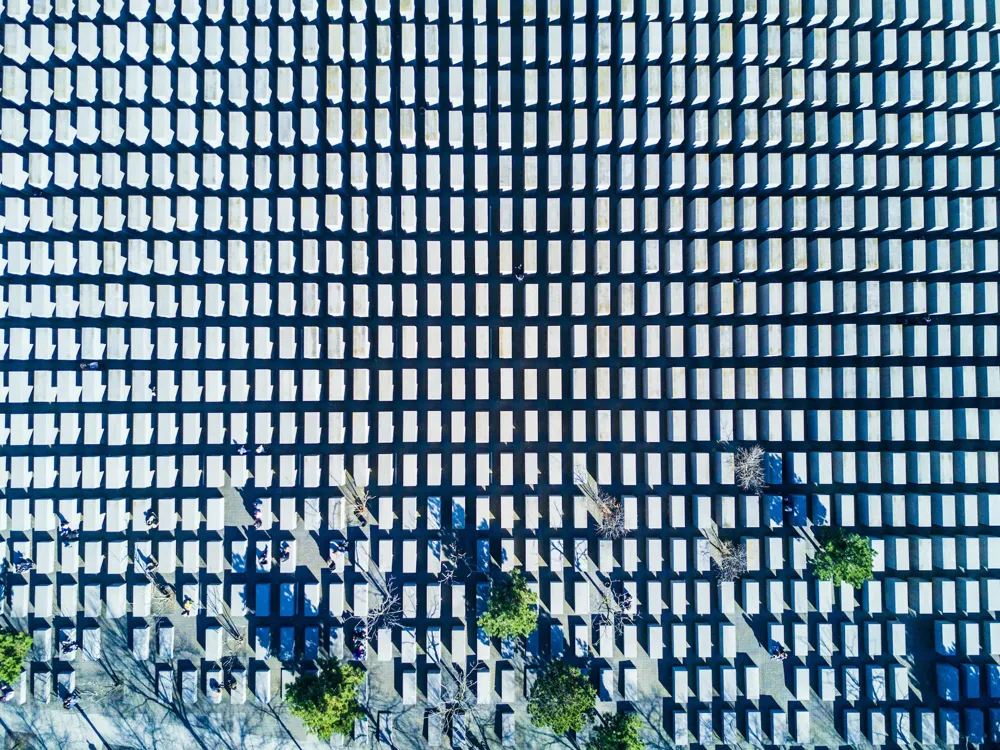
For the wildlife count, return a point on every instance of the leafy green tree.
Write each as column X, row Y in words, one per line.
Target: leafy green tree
column 14, row 646
column 617, row 732
column 844, row 557
column 562, row 699
column 510, row 611
column 327, row 702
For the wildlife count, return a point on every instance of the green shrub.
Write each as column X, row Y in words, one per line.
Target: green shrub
column 562, row 699
column 617, row 732
column 510, row 611
column 327, row 702
column 844, row 558
column 14, row 646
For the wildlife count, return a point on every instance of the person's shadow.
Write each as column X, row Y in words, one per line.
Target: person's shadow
column 755, row 623
column 91, row 745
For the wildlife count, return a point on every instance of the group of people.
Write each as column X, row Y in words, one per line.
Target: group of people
column 67, row 533
column 914, row 320
column 338, row 546
column 230, row 685
column 242, row 450
column 360, row 648
column 285, row 554
column 217, row 686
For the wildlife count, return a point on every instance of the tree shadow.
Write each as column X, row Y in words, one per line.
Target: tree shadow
column 544, row 738
column 93, row 728
column 774, row 469
column 39, row 725
column 137, row 682
column 140, row 727
column 180, row 710
column 273, row 712
column 232, row 730
column 652, row 713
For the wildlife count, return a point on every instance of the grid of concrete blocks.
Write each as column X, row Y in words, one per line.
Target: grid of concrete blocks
column 463, row 256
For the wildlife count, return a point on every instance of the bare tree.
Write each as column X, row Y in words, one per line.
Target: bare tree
column 748, row 465
column 362, row 499
column 611, row 516
column 103, row 693
column 731, row 560
column 387, row 612
column 459, row 697
column 726, row 438
column 234, row 633
column 358, row 498
column 611, row 612
column 455, row 562
column 610, row 510
column 162, row 599
column 583, row 480
column 231, row 660
column 235, row 644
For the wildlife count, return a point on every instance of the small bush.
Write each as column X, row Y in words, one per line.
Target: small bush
column 731, row 562
column 748, row 465
column 14, row 647
column 617, row 732
column 562, row 699
column 611, row 516
column 327, row 702
column 510, row 610
column 844, row 558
